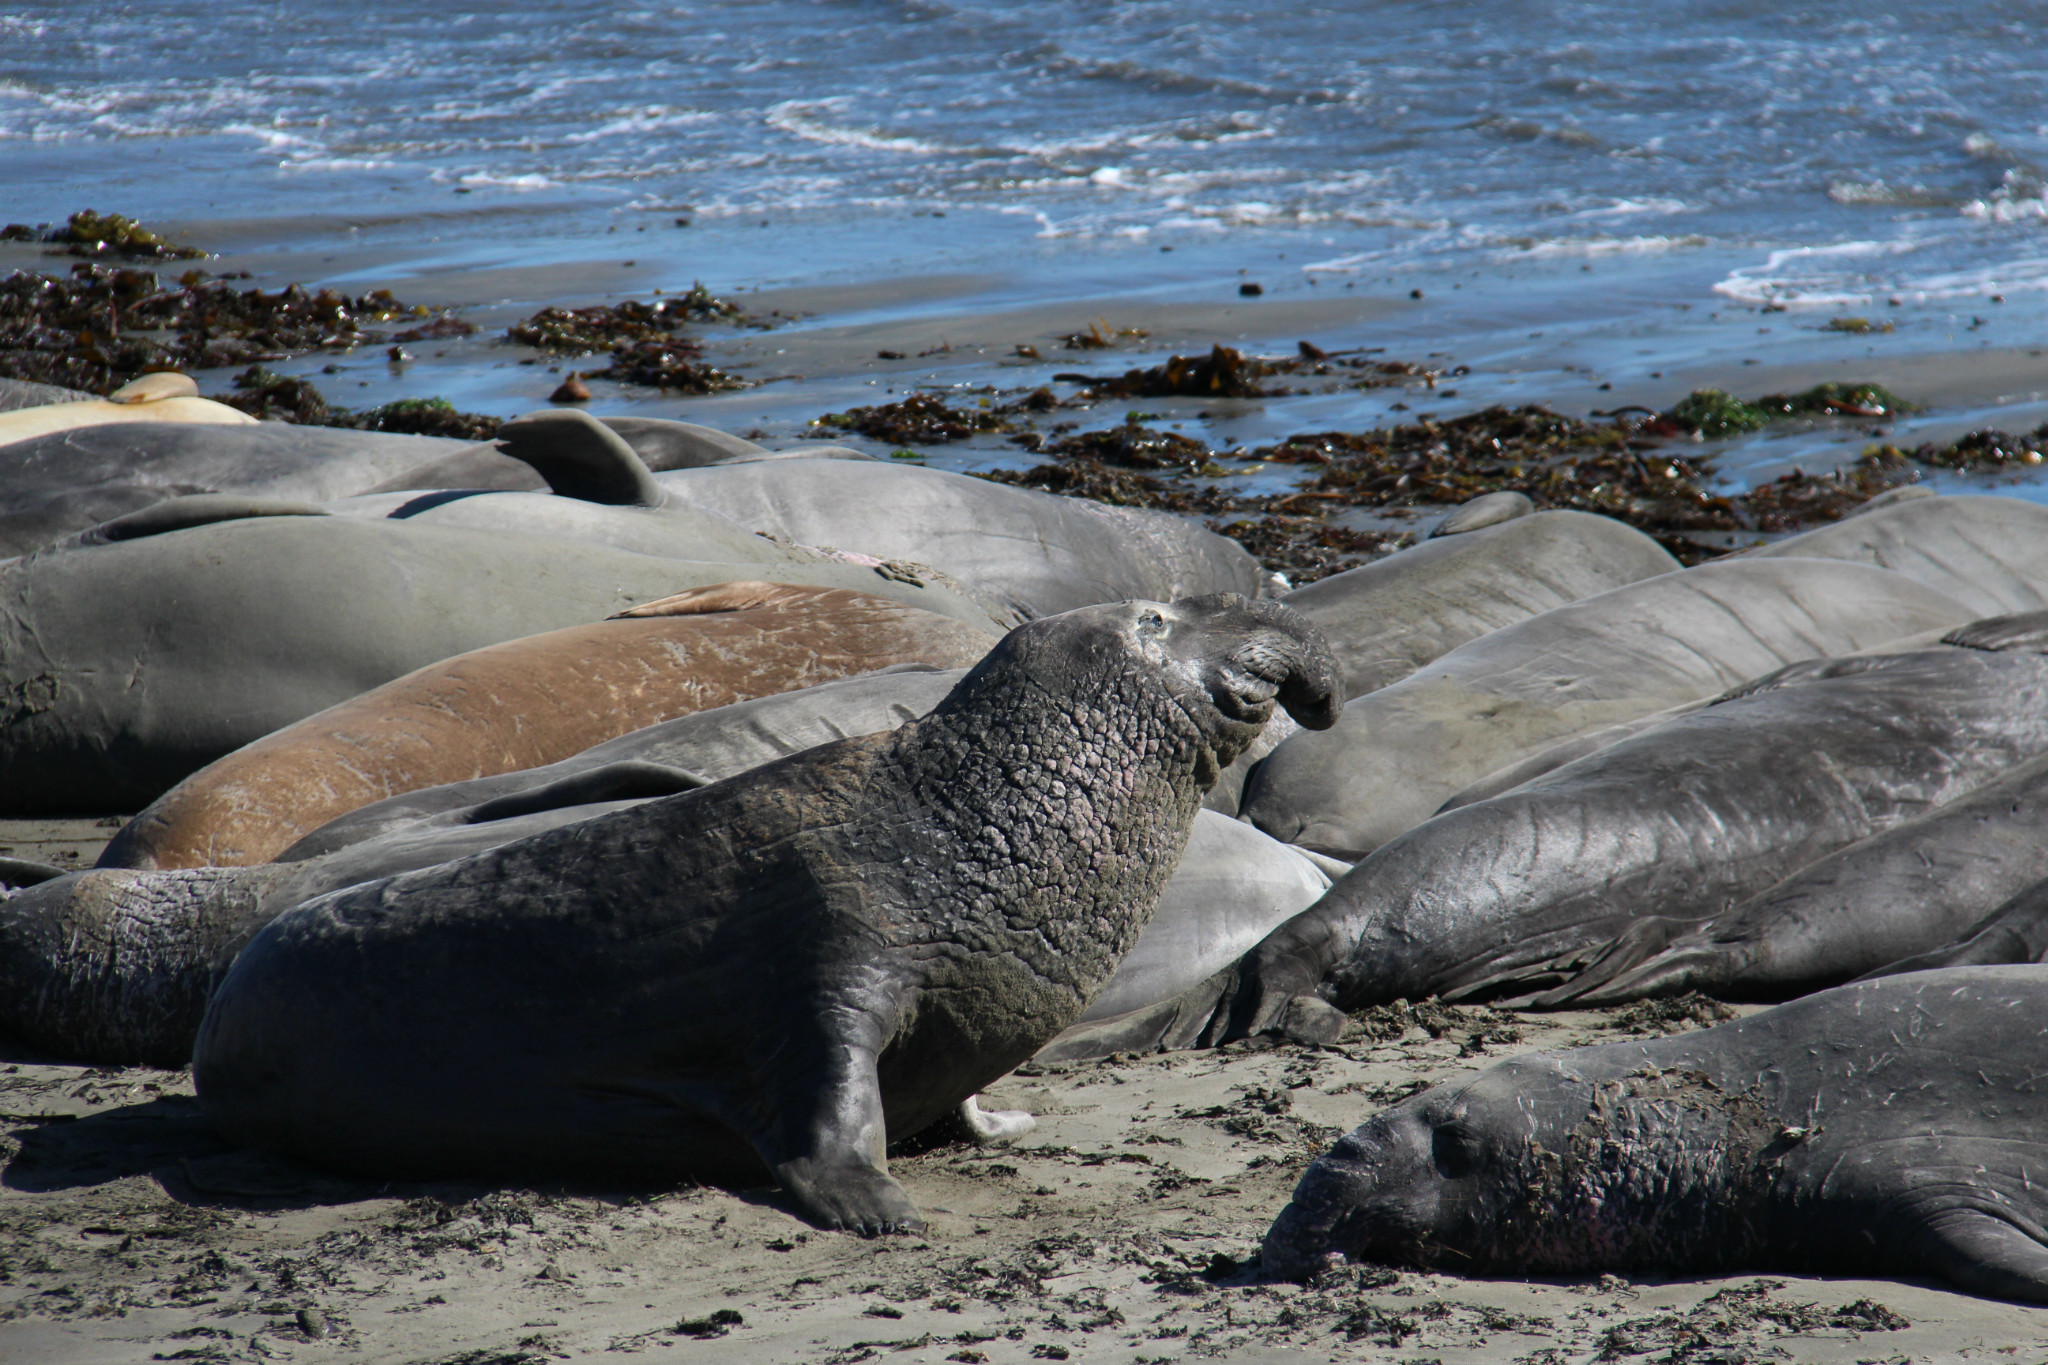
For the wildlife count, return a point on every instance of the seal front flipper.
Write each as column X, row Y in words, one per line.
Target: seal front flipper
column 195, row 509
column 2026, row 631
column 630, row 779
column 827, row 1141
column 2016, row 932
column 1985, row 1253
column 994, row 1125
column 581, row 458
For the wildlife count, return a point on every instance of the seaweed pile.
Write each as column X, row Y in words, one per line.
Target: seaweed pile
column 278, row 398
column 102, row 325
column 645, row 341
column 920, row 419
column 1229, row 373
column 87, row 233
column 1624, row 466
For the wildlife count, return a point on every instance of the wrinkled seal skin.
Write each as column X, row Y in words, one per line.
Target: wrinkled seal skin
column 1890, row 1128
column 526, row 702
column 779, row 971
column 1687, row 820
column 126, row 667
column 1401, row 752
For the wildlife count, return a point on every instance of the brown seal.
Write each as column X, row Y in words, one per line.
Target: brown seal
column 527, row 702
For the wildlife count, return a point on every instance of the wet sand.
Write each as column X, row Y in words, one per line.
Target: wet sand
column 1124, row 1230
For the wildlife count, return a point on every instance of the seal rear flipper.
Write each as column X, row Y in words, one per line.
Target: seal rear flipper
column 1652, row 957
column 627, row 780
column 582, row 458
column 1985, row 1253
column 196, row 509
column 2026, row 632
column 18, row 874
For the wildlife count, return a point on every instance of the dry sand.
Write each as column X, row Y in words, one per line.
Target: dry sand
column 1118, row 1231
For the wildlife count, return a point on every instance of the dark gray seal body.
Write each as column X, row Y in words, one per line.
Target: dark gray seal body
column 777, row 972
column 1399, row 753
column 1891, row 1127
column 1686, row 820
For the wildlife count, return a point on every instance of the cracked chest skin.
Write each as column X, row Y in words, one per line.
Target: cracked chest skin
column 783, row 970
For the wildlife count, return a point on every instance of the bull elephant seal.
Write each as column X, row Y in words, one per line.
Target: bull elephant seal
column 1888, row 1128
column 781, row 971
column 1521, row 891
column 531, row 701
column 1399, row 753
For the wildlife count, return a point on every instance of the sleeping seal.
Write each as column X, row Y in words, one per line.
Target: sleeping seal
column 1891, row 1127
column 1399, row 753
column 530, row 701
column 1520, row 891
column 779, row 972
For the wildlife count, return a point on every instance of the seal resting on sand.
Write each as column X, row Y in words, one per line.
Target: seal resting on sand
column 778, row 972
column 1889, row 1127
column 530, row 701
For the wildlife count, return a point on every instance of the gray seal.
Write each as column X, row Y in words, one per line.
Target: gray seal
column 1519, row 892
column 1989, row 553
column 1390, row 617
column 125, row 667
column 1401, row 752
column 780, row 972
column 1022, row 550
column 1886, row 1128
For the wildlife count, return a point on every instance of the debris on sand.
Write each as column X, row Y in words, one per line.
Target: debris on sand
column 102, row 325
column 1673, row 1014
column 1227, row 372
column 644, row 340
column 1972, row 451
column 87, row 233
column 279, row 398
column 920, row 419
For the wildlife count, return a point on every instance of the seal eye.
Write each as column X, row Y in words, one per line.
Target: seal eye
column 1152, row 623
column 1453, row 1151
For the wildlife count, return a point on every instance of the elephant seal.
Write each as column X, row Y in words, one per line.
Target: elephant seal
column 1989, row 553
column 126, row 667
column 528, row 702
column 777, row 972
column 1401, row 752
column 22, row 393
column 114, row 966
column 716, row 743
column 1890, row 1128
column 67, row 481
column 1024, row 551
column 1518, row 892
column 22, row 424
column 1390, row 617
column 1910, row 889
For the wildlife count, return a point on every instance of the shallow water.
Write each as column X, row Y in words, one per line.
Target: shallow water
column 1585, row 193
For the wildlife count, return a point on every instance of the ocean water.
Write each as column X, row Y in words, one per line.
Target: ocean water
column 1607, row 176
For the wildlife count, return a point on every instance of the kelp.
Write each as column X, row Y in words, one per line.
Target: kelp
column 645, row 341
column 274, row 397
column 100, row 326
